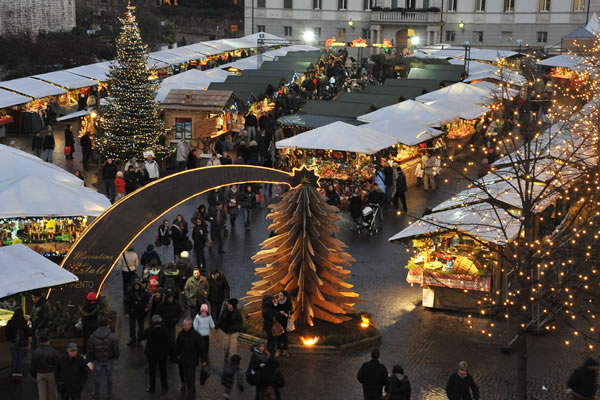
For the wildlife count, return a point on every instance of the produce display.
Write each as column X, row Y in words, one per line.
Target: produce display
column 564, row 73
column 41, row 230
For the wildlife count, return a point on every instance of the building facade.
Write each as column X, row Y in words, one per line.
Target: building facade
column 35, row 16
column 483, row 23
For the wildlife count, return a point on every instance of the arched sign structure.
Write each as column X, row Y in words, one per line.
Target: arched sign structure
column 95, row 253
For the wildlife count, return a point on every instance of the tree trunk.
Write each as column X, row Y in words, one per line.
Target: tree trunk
column 522, row 365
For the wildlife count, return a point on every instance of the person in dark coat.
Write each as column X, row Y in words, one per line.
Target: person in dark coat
column 373, row 376
column 401, row 188
column 233, row 378
column 268, row 315
column 258, row 361
column 69, row 141
column 283, row 311
column 333, row 198
column 48, row 146
column 149, row 255
column 136, row 306
column 18, row 334
column 36, row 144
column 188, row 350
column 218, row 291
column 157, row 351
column 179, row 232
column 89, row 319
column 164, row 238
column 86, row 149
column 217, row 218
column 171, row 313
column 44, row 362
column 131, row 180
column 39, row 317
column 270, row 380
column 461, row 384
column 247, row 200
column 230, row 322
column 109, row 173
column 103, row 350
column 192, row 159
column 356, row 205
column 71, row 374
column 398, row 387
column 582, row 382
column 200, row 236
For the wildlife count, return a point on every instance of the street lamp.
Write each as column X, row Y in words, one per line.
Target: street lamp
column 351, row 23
column 415, row 41
column 309, row 36
column 461, row 25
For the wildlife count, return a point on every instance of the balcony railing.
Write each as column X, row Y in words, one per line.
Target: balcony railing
column 408, row 16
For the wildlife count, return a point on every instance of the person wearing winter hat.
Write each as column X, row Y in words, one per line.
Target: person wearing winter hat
column 120, row 185
column 230, row 322
column 157, row 352
column 398, row 387
column 203, row 323
column 461, row 384
column 582, row 383
column 71, row 373
column 89, row 319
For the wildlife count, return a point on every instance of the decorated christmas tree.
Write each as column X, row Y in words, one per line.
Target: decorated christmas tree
column 305, row 259
column 131, row 121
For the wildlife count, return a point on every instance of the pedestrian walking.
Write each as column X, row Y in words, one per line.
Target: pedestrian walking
column 218, row 292
column 151, row 168
column 48, row 146
column 582, row 384
column 188, row 350
column 233, row 379
column 127, row 264
column 196, row 292
column 120, row 185
column 163, row 238
column 429, row 173
column 200, row 236
column 181, row 154
column 71, row 373
column 283, row 312
column 233, row 205
column 203, row 323
column 373, row 376
column 18, row 334
column 103, row 350
column 401, row 188
column 214, row 197
column 136, row 307
column 270, row 381
column 214, row 161
column 39, row 318
column 192, row 159
column 37, row 144
column 86, row 149
column 226, row 159
column 258, row 361
column 157, row 352
column 179, row 231
column 398, row 387
column 156, row 300
column 171, row 313
column 142, row 175
column 268, row 316
column 89, row 319
column 461, row 384
column 149, row 255
column 217, row 224
column 250, row 124
column 376, row 196
column 247, row 202
column 44, row 363
column 69, row 142
column 109, row 173
column 230, row 322
column 186, row 271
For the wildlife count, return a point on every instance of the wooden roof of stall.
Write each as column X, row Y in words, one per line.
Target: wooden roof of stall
column 197, row 100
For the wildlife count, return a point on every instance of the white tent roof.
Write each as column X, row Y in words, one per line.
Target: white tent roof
column 267, row 36
column 480, row 220
column 156, row 64
column 186, row 53
column 33, row 87
column 501, row 76
column 98, row 72
column 17, row 164
column 22, row 270
column 464, row 110
column 566, row 61
column 474, row 66
column 66, row 79
column 165, row 56
column 73, row 115
column 37, row 196
column 340, row 136
column 413, row 110
column 290, row 49
column 248, row 62
column 9, row 99
column 593, row 24
column 491, row 55
column 405, row 131
column 203, row 49
column 225, row 45
column 191, row 79
column 459, row 93
column 495, row 90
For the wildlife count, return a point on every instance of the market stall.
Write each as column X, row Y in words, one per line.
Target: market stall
column 566, row 70
column 193, row 79
column 411, row 110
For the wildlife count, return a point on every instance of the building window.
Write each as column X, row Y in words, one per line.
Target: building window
column 478, row 36
column 450, row 36
column 480, row 5
column 287, row 4
column 183, row 128
column 261, row 3
column 452, row 5
column 367, row 4
column 366, row 33
column 509, row 5
column 544, row 5
column 542, row 37
column 341, row 33
column 287, row 31
column 506, row 36
column 317, row 32
column 425, row 4
column 342, row 4
column 410, row 4
column 578, row 5
column 317, row 4
column 260, row 28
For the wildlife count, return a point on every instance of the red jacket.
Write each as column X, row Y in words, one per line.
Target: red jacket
column 119, row 185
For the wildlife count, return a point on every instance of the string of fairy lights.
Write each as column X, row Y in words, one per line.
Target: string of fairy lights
column 555, row 270
column 131, row 121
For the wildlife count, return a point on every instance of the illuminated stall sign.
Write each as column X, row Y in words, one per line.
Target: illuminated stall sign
column 333, row 42
column 386, row 44
column 360, row 42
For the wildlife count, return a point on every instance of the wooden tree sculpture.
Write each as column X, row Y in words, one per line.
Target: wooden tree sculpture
column 304, row 259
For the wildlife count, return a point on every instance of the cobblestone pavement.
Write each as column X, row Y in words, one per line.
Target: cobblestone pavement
column 428, row 344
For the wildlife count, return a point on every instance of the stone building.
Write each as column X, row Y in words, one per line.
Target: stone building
column 35, row 16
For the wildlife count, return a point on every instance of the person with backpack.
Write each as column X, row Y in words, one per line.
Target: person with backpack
column 89, row 319
column 18, row 334
column 233, row 379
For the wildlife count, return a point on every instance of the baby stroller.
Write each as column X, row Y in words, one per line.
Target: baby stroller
column 368, row 222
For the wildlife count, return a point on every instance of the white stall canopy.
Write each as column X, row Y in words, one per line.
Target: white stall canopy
column 191, row 79
column 340, row 136
column 225, row 45
column 32, row 87
column 251, row 62
column 66, row 79
column 98, row 71
column 412, row 110
column 465, row 110
column 203, row 49
column 187, row 53
column 405, row 131
column 570, row 61
column 9, row 99
column 22, row 270
column 269, row 38
column 504, row 76
column 166, row 57
column 459, row 93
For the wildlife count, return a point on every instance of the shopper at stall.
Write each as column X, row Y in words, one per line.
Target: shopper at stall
column 188, row 351
column 461, row 384
column 156, row 352
column 152, row 168
column 401, row 189
column 18, row 334
column 377, row 196
column 218, row 292
column 388, row 180
column 136, row 307
column 103, row 350
column 71, row 373
column 89, row 319
column 109, row 173
column 39, row 317
column 48, row 146
column 44, row 362
column 356, row 206
column 333, row 198
column 86, row 149
column 429, row 173
column 127, row 264
column 69, row 142
column 373, row 376
column 36, row 144
column 230, row 322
